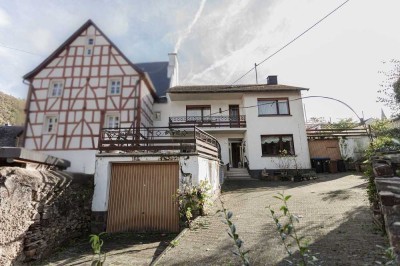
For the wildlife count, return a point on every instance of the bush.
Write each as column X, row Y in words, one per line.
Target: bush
column 193, row 201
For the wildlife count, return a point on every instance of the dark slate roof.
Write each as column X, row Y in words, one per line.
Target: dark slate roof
column 158, row 74
column 233, row 88
column 8, row 135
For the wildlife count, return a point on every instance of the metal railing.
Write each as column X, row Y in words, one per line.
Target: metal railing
column 209, row 121
column 159, row 140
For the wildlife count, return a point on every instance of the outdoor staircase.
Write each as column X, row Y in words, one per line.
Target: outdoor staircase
column 238, row 174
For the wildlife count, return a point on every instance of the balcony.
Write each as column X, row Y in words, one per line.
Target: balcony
column 209, row 121
column 162, row 140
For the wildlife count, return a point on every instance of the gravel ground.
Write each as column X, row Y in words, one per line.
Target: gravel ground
column 121, row 249
column 335, row 218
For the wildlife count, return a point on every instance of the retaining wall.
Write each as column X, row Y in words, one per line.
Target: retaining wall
column 40, row 210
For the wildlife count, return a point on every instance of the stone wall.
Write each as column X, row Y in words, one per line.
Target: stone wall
column 389, row 198
column 40, row 210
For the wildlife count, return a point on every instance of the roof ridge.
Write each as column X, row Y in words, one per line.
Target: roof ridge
column 70, row 39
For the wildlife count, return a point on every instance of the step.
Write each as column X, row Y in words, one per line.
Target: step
column 238, row 174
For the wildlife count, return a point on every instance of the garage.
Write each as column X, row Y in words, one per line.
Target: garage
column 141, row 197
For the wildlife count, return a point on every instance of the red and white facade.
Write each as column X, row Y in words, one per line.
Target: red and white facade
column 85, row 85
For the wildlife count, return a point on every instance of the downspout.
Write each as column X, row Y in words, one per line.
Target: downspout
column 139, row 106
column 26, row 110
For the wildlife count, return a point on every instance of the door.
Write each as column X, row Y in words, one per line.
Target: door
column 234, row 115
column 141, row 197
column 235, row 154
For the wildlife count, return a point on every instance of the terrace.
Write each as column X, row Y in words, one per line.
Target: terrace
column 164, row 140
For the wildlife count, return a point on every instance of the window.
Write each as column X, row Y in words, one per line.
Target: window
column 115, row 86
column 273, row 107
column 50, row 124
column 198, row 113
column 88, row 51
column 89, row 46
column 157, row 116
column 275, row 145
column 112, row 121
column 56, row 88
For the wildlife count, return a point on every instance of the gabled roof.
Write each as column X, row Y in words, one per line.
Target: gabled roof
column 68, row 42
column 158, row 72
column 233, row 88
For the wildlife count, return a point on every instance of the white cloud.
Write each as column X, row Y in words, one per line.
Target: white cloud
column 41, row 40
column 5, row 19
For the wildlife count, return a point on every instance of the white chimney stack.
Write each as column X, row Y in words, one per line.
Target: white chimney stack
column 173, row 69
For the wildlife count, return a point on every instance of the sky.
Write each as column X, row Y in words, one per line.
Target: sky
column 217, row 41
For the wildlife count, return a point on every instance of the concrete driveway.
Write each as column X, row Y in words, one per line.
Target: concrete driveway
column 334, row 213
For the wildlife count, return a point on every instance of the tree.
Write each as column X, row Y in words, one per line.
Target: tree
column 344, row 123
column 390, row 87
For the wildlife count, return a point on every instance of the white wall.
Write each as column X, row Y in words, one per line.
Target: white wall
column 223, row 139
column 256, row 126
column 81, row 161
column 353, row 147
column 178, row 108
column 200, row 168
column 269, row 125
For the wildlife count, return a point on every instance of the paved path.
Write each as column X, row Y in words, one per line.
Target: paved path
column 335, row 217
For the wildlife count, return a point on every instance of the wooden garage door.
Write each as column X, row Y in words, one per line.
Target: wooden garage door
column 141, row 197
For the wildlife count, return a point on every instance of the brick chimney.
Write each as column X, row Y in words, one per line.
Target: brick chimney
column 272, row 80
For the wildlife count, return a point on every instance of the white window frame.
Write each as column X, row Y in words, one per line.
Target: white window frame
column 278, row 111
column 59, row 90
column 110, row 87
column 50, row 120
column 115, row 123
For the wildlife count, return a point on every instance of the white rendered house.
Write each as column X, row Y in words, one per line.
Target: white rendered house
column 252, row 123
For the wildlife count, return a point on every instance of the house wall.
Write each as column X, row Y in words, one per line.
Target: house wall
column 82, row 161
column 199, row 167
column 178, row 108
column 223, row 139
column 292, row 124
column 255, row 127
column 85, row 99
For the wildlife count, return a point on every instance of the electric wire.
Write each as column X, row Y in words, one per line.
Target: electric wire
column 293, row 40
column 296, row 99
column 19, row 50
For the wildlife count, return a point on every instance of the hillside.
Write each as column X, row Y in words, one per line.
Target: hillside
column 11, row 110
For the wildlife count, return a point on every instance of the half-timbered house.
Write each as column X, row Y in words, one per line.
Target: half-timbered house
column 84, row 85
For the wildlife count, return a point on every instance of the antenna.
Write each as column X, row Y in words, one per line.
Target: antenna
column 255, row 70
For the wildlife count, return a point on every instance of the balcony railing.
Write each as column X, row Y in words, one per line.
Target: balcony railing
column 209, row 121
column 164, row 140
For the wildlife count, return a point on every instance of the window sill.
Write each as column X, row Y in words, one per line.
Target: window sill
column 279, row 156
column 273, row 115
